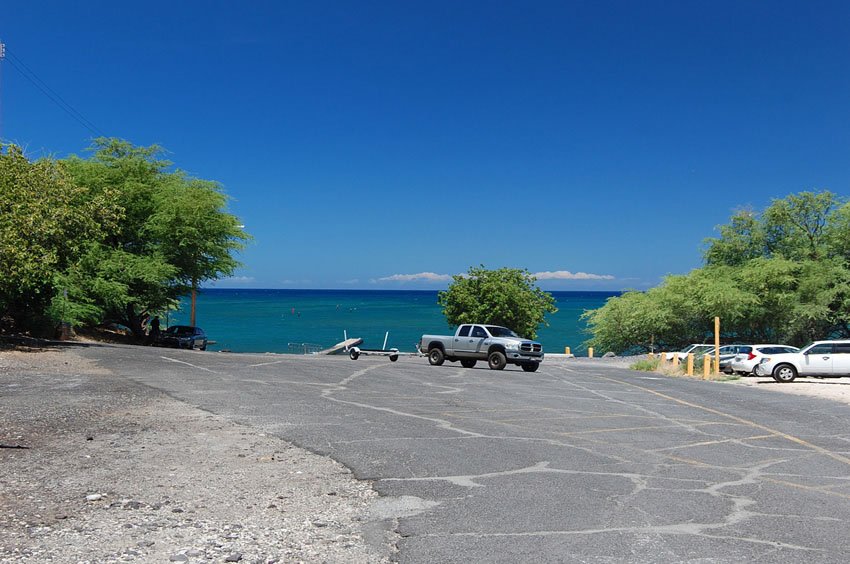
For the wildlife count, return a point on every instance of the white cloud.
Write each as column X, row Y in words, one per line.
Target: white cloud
column 427, row 276
column 351, row 281
column 567, row 275
column 236, row 280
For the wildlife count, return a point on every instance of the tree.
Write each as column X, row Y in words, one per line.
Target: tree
column 796, row 226
column 506, row 297
column 197, row 236
column 800, row 226
column 46, row 220
column 111, row 238
column 174, row 233
column 838, row 232
column 114, row 285
column 630, row 320
column 782, row 276
column 741, row 240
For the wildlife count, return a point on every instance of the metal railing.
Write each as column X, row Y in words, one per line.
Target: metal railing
column 303, row 348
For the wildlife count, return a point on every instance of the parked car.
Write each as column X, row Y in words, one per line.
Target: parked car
column 183, row 337
column 694, row 348
column 820, row 359
column 750, row 355
column 727, row 355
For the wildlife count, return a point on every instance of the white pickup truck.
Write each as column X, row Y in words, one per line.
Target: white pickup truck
column 499, row 346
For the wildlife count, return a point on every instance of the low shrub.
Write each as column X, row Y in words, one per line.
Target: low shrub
column 646, row 364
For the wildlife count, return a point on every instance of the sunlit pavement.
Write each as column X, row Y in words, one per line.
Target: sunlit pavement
column 580, row 461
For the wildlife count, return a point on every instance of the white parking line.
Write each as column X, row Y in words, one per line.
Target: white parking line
column 188, row 364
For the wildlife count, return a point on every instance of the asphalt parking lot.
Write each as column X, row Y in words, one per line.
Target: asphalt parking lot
column 581, row 461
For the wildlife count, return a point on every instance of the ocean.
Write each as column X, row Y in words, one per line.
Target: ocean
column 295, row 321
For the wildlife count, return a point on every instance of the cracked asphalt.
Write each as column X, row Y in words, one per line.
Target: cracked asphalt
column 581, row 461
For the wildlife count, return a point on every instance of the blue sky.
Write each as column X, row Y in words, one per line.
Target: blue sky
column 367, row 143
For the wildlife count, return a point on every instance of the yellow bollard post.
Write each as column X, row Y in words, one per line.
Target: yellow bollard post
column 706, row 366
column 676, row 359
column 662, row 357
column 589, row 352
column 717, row 345
column 566, row 350
column 690, row 364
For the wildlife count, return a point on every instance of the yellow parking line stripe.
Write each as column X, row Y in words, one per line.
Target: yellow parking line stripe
column 741, row 420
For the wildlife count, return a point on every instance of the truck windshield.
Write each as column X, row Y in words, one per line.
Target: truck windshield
column 497, row 331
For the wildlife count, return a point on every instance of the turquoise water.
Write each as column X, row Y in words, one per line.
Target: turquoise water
column 269, row 320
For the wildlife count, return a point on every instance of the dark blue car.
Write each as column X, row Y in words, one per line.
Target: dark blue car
column 183, row 337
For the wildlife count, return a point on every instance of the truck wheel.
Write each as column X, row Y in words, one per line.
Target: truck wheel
column 784, row 373
column 353, row 354
column 467, row 363
column 497, row 360
column 436, row 357
column 531, row 366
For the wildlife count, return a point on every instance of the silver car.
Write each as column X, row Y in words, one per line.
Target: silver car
column 728, row 353
column 695, row 348
column 749, row 356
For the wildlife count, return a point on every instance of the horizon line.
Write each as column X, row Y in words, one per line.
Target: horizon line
column 377, row 289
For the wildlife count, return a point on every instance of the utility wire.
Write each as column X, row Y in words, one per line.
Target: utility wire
column 30, row 75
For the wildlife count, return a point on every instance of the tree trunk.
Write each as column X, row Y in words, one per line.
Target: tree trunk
column 134, row 322
column 194, row 299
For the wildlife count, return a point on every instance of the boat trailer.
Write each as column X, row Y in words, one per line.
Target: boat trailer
column 355, row 352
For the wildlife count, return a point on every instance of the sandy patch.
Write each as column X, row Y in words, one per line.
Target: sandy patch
column 837, row 389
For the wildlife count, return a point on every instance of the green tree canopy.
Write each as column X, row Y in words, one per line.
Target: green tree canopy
column 779, row 276
column 109, row 238
column 46, row 222
column 801, row 226
column 194, row 235
column 507, row 297
column 175, row 232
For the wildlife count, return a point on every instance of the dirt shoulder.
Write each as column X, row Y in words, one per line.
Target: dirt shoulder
column 836, row 389
column 116, row 472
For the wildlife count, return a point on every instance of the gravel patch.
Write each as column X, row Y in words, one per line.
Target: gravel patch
column 98, row 469
column 836, row 389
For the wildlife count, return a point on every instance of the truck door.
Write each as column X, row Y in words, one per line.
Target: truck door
column 459, row 342
column 818, row 360
column 470, row 344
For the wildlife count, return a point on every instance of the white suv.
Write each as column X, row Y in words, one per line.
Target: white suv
column 821, row 358
column 748, row 357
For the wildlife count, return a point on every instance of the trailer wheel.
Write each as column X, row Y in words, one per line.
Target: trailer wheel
column 353, row 354
column 436, row 357
column 468, row 363
column 531, row 366
column 393, row 357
